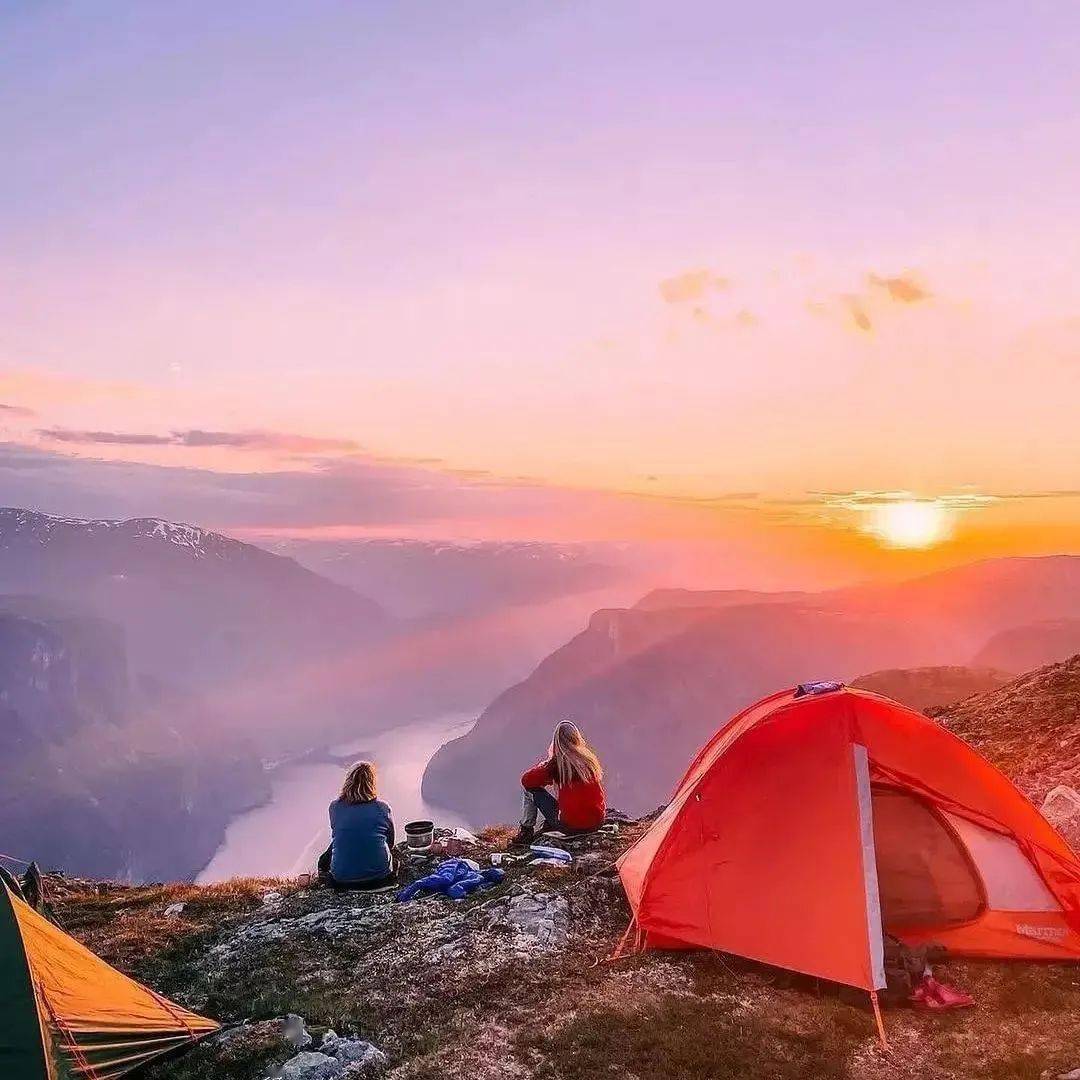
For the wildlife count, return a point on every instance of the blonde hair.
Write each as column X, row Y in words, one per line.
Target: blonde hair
column 360, row 783
column 572, row 759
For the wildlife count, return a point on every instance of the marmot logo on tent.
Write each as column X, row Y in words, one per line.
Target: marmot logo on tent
column 1051, row 932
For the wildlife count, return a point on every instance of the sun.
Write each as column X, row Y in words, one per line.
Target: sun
column 913, row 523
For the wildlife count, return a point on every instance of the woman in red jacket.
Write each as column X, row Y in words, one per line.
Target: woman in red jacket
column 573, row 769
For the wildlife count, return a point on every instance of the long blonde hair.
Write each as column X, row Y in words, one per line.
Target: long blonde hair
column 360, row 784
column 572, row 759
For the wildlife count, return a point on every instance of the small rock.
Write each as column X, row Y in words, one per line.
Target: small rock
column 359, row 1052
column 296, row 1031
column 311, row 1065
column 1074, row 1075
column 272, row 898
column 173, row 910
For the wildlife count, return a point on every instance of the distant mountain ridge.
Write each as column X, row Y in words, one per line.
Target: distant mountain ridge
column 1032, row 645
column 147, row 667
column 932, row 687
column 650, row 683
column 417, row 578
column 202, row 611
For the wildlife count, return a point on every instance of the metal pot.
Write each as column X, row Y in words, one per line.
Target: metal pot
column 419, row 835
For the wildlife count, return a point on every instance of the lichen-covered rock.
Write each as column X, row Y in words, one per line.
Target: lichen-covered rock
column 337, row 1058
column 538, row 922
column 358, row 1054
column 311, row 1065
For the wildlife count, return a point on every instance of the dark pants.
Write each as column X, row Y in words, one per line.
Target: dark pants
column 538, row 799
column 371, row 883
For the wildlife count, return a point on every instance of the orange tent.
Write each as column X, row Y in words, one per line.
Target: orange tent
column 822, row 815
column 65, row 1013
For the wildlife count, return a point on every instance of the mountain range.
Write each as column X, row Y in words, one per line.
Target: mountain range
column 147, row 667
column 205, row 612
column 416, row 579
column 648, row 684
column 146, row 670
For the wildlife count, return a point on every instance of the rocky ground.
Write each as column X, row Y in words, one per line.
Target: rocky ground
column 515, row 981
column 1030, row 729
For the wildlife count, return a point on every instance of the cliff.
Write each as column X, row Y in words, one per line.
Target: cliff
column 95, row 775
column 650, row 684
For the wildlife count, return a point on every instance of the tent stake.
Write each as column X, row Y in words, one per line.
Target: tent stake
column 631, row 925
column 880, row 1022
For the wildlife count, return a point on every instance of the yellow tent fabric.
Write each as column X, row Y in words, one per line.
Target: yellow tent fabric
column 102, row 1023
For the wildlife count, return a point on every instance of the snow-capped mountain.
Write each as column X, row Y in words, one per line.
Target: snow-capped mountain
column 202, row 611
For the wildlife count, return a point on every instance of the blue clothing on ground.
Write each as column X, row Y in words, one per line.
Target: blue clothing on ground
column 361, row 836
column 455, row 878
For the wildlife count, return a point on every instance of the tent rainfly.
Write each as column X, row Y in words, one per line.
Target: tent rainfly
column 65, row 1014
column 821, row 817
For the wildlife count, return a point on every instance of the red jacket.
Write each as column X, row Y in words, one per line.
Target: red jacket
column 581, row 803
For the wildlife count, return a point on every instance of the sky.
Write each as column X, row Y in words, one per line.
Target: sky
column 736, row 279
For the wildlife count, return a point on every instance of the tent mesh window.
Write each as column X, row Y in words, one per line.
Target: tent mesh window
column 925, row 877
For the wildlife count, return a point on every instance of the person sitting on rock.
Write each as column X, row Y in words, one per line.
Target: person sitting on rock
column 361, row 851
column 573, row 769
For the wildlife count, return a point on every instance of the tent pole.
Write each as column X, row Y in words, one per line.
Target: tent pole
column 622, row 941
column 880, row 1022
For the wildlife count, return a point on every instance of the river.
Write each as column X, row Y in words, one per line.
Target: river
column 285, row 836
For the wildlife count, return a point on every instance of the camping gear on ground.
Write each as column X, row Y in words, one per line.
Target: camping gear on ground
column 807, row 824
column 65, row 1012
column 551, row 854
column 462, row 834
column 500, row 857
column 936, row 995
column 455, row 878
column 905, row 967
column 419, row 835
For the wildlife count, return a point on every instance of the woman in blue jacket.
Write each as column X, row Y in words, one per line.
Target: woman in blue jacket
column 360, row 855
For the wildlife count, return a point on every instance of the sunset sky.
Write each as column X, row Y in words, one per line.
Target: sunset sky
column 734, row 277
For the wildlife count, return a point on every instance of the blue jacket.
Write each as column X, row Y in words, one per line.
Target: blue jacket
column 361, row 836
column 455, row 878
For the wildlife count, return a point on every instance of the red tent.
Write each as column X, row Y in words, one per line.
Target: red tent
column 812, row 820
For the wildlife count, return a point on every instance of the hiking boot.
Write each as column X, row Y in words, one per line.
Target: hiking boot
column 525, row 836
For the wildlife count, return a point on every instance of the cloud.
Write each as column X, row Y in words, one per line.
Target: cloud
column 110, row 438
column 16, row 410
column 283, row 442
column 274, row 441
column 857, row 310
column 903, row 289
column 691, row 285
column 357, row 491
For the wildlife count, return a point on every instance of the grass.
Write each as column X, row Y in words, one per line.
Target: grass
column 128, row 927
column 681, row 1039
